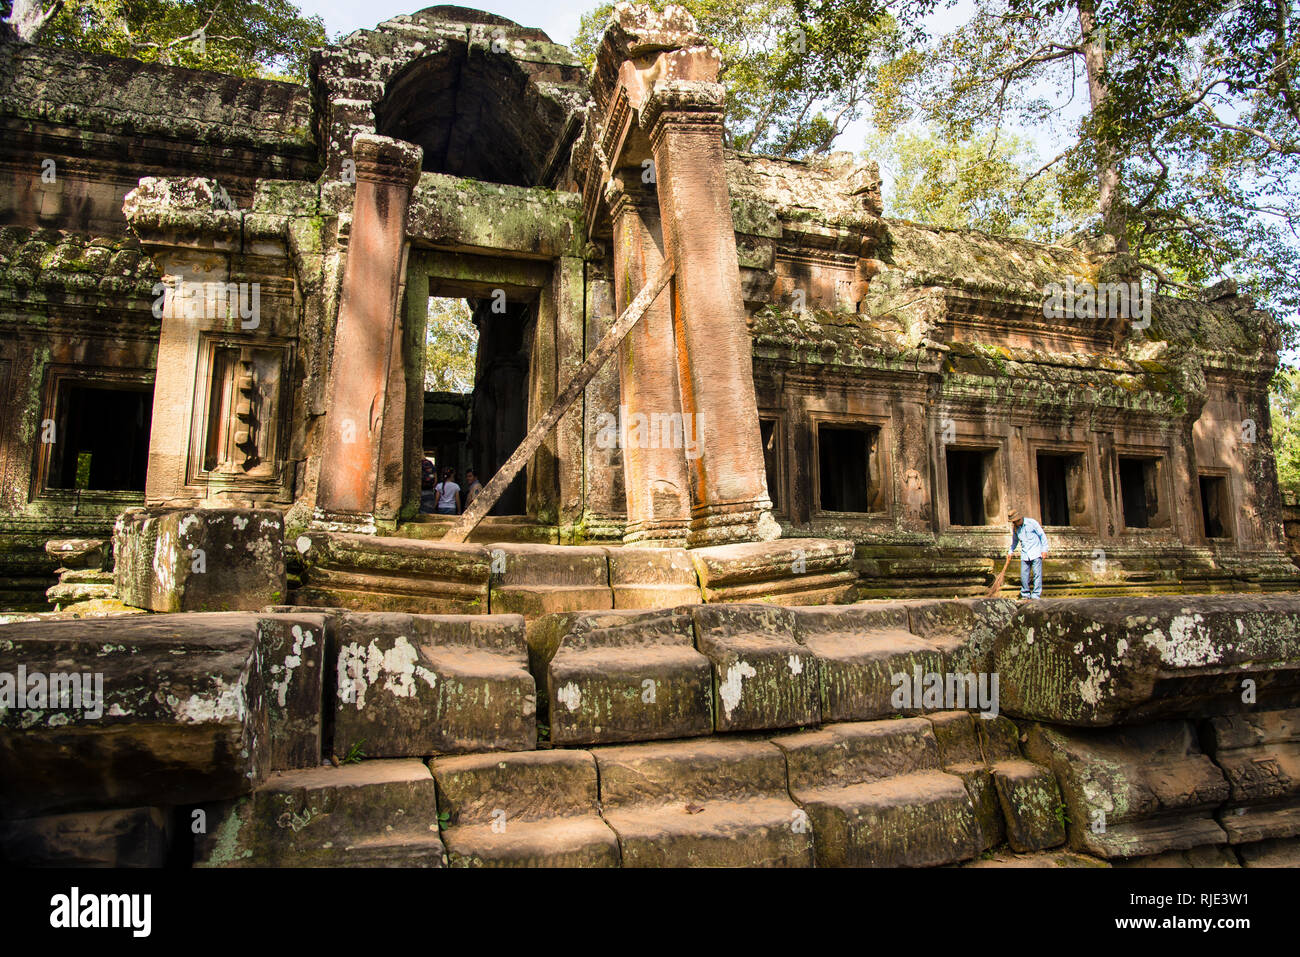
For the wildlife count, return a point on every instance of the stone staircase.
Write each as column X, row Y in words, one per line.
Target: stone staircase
column 324, row 737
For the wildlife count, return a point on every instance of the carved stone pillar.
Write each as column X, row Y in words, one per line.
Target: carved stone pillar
column 659, row 441
column 367, row 335
column 715, row 370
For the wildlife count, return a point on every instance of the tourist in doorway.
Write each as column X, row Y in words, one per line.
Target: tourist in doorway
column 428, row 497
column 448, row 495
column 472, row 487
column 1029, row 537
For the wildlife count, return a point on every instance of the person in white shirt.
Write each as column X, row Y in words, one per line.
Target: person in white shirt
column 1032, row 541
column 448, row 495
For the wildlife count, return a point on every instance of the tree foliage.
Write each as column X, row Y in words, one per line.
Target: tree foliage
column 1188, row 149
column 980, row 183
column 1285, row 403
column 267, row 38
column 788, row 92
column 451, row 346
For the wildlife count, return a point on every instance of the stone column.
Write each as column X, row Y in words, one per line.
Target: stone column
column 367, row 335
column 715, row 370
column 655, row 472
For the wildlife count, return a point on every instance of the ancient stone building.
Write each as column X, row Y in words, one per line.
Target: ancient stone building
column 878, row 382
column 213, row 306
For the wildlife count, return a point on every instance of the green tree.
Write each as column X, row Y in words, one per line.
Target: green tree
column 1191, row 164
column 266, row 38
column 980, row 183
column 1285, row 402
column 787, row 94
column 451, row 346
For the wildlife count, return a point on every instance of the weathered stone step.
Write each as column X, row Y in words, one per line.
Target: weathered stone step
column 789, row 571
column 412, row 574
column 707, row 803
column 860, row 648
column 1040, row 859
column 1015, row 800
column 376, row 573
column 1133, row 792
column 531, row 809
column 621, row 676
column 652, row 578
column 372, row 814
column 535, row 580
column 417, row 685
column 762, row 677
column 877, row 796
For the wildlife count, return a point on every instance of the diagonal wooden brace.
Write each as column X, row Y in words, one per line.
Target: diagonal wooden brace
column 482, row 504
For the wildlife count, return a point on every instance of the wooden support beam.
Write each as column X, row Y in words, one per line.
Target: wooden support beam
column 482, row 504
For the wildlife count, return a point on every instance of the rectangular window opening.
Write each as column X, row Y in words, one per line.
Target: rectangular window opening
column 101, row 437
column 845, row 458
column 1141, row 493
column 973, row 496
column 1060, row 487
column 1214, row 506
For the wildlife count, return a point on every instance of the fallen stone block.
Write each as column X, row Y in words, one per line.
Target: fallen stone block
column 371, row 814
column 1259, row 753
column 762, row 677
column 86, row 553
column 1133, row 792
column 376, row 573
column 652, row 578
column 417, row 685
column 709, row 803
column 168, row 709
column 877, row 796
column 227, row 559
column 532, row 809
column 537, row 580
column 789, row 571
column 860, row 649
column 621, row 676
column 130, row 837
column 1109, row 661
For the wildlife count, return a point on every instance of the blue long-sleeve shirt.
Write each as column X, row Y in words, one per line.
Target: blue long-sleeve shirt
column 1031, row 538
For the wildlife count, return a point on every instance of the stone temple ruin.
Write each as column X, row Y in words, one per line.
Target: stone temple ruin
column 730, row 610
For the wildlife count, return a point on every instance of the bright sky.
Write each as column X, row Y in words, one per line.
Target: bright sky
column 559, row 19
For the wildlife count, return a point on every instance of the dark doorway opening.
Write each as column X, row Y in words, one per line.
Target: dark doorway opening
column 771, row 458
column 101, row 441
column 498, row 418
column 1214, row 506
column 844, row 466
column 1053, row 488
column 969, row 475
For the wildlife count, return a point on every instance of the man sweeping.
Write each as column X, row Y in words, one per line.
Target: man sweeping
column 1029, row 537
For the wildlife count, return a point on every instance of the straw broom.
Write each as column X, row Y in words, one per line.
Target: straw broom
column 1002, row 577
